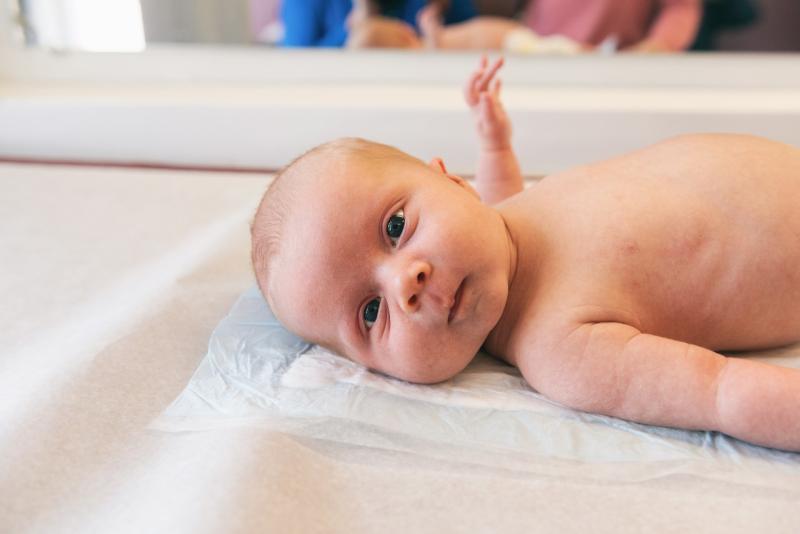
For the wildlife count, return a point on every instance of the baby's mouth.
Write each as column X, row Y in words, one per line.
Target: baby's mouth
column 456, row 301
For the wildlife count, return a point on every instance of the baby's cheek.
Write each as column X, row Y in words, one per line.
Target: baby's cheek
column 414, row 352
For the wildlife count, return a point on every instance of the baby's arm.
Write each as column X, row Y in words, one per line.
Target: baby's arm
column 614, row 369
column 498, row 176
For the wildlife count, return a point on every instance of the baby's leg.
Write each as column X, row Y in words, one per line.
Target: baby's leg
column 481, row 33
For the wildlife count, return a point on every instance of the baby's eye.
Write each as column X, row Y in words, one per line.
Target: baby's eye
column 371, row 312
column 394, row 228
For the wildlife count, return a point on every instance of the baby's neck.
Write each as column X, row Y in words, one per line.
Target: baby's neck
column 524, row 256
column 497, row 339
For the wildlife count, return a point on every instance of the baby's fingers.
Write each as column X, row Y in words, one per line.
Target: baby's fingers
column 488, row 75
column 471, row 88
column 496, row 88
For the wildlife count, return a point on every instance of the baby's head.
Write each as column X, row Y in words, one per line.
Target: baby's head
column 393, row 263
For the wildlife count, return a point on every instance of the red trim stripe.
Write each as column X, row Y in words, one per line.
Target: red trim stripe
column 138, row 165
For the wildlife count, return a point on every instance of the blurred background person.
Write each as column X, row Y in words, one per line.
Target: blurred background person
column 478, row 33
column 633, row 25
column 315, row 22
column 372, row 22
column 386, row 24
column 722, row 15
column 565, row 26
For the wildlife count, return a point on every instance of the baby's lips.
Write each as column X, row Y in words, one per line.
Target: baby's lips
column 439, row 300
column 456, row 301
column 442, row 302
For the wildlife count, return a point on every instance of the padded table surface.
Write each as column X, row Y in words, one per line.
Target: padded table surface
column 112, row 281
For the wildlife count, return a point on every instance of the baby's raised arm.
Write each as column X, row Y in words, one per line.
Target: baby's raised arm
column 498, row 175
column 614, row 369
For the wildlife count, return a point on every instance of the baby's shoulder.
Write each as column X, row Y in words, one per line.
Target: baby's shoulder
column 545, row 346
column 537, row 334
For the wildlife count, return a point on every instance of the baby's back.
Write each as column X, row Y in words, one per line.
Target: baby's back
column 696, row 238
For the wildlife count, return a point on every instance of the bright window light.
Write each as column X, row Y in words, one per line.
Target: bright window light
column 94, row 25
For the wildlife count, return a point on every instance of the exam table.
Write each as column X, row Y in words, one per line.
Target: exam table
column 112, row 282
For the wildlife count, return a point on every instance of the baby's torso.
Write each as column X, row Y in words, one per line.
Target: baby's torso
column 696, row 239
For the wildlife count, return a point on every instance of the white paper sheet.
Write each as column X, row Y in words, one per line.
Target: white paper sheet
column 255, row 372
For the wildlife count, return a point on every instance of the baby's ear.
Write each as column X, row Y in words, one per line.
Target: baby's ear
column 438, row 165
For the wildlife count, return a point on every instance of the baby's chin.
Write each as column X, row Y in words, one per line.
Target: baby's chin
column 426, row 375
column 430, row 380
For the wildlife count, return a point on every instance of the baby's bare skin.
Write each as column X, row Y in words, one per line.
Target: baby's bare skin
column 631, row 271
column 696, row 239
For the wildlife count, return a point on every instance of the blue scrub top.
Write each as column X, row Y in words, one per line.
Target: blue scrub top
column 321, row 22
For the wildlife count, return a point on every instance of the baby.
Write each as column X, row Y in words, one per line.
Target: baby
column 369, row 29
column 611, row 286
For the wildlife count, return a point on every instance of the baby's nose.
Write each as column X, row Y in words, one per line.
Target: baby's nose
column 410, row 282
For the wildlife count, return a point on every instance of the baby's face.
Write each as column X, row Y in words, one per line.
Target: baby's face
column 398, row 266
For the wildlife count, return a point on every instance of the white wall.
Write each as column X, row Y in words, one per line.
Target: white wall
column 259, row 109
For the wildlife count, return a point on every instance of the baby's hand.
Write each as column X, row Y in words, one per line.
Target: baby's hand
column 483, row 98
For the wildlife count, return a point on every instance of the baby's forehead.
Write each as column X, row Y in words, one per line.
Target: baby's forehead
column 336, row 184
column 329, row 177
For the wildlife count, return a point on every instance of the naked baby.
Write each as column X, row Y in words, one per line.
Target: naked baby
column 613, row 287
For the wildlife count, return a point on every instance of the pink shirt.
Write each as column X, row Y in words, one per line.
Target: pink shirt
column 672, row 23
